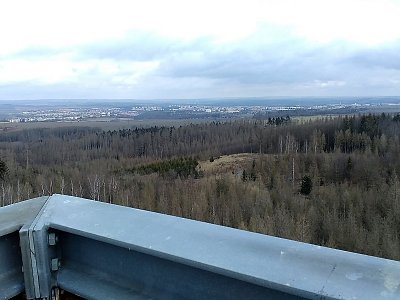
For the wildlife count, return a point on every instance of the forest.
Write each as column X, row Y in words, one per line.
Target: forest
column 332, row 181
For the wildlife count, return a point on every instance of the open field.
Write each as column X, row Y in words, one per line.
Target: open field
column 227, row 163
column 102, row 124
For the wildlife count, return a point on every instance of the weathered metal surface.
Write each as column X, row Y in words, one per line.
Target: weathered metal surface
column 102, row 251
column 11, row 277
column 31, row 256
column 289, row 267
column 12, row 219
column 128, row 274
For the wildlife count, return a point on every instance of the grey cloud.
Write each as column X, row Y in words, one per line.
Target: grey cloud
column 277, row 64
column 139, row 46
column 263, row 63
column 134, row 46
column 387, row 57
column 291, row 62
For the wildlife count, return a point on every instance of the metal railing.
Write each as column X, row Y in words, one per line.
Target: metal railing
column 103, row 251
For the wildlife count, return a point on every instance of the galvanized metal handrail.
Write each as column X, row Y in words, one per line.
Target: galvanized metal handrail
column 103, row 251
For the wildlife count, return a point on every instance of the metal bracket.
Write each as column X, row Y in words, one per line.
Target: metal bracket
column 55, row 264
column 53, row 239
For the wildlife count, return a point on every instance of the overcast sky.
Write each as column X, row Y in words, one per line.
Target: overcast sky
column 198, row 49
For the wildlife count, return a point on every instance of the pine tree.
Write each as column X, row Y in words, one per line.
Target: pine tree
column 3, row 170
column 306, row 185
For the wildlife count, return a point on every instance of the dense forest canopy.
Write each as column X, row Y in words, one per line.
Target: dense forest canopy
column 332, row 181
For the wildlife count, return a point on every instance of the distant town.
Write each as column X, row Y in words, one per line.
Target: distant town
column 111, row 111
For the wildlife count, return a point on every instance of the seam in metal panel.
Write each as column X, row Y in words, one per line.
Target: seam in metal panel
column 32, row 252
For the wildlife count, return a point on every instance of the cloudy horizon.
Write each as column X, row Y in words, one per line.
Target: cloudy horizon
column 198, row 49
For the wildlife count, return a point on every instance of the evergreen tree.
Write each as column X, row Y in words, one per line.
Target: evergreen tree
column 306, row 185
column 3, row 170
column 244, row 176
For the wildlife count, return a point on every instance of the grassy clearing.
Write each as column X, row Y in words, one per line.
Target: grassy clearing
column 227, row 163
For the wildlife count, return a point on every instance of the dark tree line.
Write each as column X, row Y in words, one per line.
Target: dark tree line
column 64, row 145
column 181, row 167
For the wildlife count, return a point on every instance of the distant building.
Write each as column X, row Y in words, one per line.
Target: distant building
column 17, row 120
